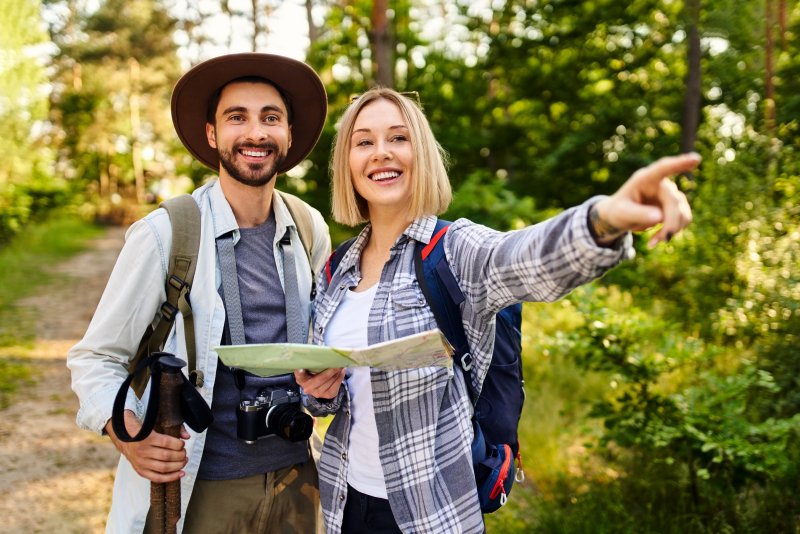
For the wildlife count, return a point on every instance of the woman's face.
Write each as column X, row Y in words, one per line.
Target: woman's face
column 381, row 157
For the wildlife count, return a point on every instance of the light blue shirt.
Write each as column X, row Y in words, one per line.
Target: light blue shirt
column 130, row 303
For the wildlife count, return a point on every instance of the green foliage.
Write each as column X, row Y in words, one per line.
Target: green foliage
column 24, row 267
column 577, row 95
column 682, row 417
column 23, row 101
column 486, row 200
column 114, row 72
column 28, row 201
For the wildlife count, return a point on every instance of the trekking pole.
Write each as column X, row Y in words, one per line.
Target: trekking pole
column 165, row 497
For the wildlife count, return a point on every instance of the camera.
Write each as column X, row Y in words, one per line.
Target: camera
column 275, row 411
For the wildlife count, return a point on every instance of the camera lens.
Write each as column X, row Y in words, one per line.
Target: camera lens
column 287, row 421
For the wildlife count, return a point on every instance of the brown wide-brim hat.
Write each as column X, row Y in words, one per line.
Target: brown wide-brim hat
column 297, row 80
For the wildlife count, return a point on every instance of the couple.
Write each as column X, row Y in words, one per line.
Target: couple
column 396, row 457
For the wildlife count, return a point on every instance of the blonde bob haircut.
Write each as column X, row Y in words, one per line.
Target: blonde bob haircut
column 430, row 187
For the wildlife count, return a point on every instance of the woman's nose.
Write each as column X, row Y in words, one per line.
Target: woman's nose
column 381, row 152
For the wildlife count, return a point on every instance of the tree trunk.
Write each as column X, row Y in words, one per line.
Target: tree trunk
column 256, row 26
column 691, row 104
column 226, row 8
column 769, row 87
column 382, row 44
column 782, row 24
column 313, row 31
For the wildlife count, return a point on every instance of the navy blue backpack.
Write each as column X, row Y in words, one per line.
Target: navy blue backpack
column 496, row 456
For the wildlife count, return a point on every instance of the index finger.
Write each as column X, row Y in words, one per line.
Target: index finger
column 670, row 166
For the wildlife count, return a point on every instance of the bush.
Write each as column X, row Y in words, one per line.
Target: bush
column 21, row 203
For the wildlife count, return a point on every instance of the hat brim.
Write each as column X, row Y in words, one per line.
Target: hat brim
column 296, row 79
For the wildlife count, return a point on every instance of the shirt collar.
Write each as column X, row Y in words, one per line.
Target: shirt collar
column 225, row 221
column 419, row 230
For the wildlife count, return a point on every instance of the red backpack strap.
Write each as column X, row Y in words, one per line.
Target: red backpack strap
column 328, row 273
column 432, row 243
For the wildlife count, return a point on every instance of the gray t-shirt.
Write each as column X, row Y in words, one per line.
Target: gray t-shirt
column 225, row 456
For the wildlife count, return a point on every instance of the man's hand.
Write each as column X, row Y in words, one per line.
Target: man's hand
column 648, row 198
column 322, row 385
column 158, row 458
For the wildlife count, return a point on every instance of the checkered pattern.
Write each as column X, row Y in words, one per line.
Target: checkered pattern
column 423, row 415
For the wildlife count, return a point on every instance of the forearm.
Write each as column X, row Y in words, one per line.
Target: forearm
column 605, row 234
column 543, row 262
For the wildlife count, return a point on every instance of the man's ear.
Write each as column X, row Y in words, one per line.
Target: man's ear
column 290, row 138
column 211, row 135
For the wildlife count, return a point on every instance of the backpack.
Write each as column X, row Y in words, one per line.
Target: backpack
column 184, row 216
column 498, row 408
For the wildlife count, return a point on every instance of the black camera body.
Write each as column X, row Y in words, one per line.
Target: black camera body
column 275, row 411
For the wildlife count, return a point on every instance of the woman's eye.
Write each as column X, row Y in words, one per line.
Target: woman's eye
column 364, row 142
column 397, row 138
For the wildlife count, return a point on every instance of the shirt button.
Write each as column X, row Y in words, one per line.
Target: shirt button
column 341, row 497
column 344, row 456
column 341, row 287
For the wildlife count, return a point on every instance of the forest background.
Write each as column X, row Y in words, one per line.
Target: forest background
column 664, row 397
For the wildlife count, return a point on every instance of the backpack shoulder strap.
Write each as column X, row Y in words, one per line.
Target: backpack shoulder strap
column 302, row 220
column 184, row 216
column 336, row 257
column 442, row 292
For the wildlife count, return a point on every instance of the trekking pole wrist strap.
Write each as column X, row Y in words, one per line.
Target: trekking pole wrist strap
column 118, row 411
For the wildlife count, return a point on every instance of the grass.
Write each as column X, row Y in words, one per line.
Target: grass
column 24, row 266
column 553, row 429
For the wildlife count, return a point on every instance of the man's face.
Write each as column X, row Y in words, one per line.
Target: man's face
column 252, row 132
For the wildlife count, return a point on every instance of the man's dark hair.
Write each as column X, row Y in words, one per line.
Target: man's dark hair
column 213, row 102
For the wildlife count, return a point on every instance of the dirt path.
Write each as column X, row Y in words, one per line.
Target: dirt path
column 55, row 477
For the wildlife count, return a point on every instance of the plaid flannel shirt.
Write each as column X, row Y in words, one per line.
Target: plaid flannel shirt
column 423, row 415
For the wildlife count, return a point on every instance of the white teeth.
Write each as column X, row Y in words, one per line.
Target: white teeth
column 387, row 175
column 254, row 153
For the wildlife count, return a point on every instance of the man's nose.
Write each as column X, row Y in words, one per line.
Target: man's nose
column 257, row 130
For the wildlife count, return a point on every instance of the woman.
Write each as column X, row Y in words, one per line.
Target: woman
column 397, row 457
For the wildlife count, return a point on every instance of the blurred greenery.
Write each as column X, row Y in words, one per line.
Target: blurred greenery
column 24, row 267
column 662, row 398
column 24, row 263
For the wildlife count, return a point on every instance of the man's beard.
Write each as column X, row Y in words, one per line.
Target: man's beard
column 257, row 174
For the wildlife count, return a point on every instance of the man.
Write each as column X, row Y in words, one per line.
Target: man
column 249, row 117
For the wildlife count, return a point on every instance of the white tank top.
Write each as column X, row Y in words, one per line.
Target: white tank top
column 348, row 329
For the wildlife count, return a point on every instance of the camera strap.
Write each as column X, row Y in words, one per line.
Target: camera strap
column 296, row 331
column 230, row 289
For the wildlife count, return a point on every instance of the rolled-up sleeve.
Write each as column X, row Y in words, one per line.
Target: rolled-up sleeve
column 542, row 262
